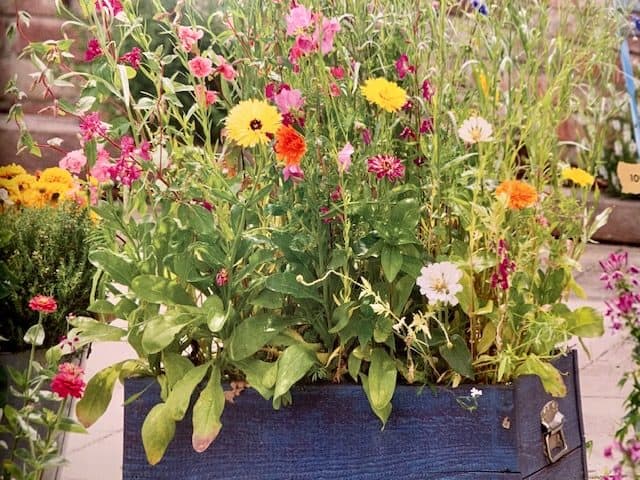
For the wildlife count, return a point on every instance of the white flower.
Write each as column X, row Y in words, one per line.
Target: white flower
column 475, row 129
column 475, row 393
column 4, row 197
column 440, row 282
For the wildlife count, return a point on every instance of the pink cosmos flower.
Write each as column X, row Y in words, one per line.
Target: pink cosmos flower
column 288, row 99
column 114, row 7
column 189, row 37
column 68, row 381
column 344, row 157
column 73, row 161
column 387, row 166
column 293, row 172
column 133, row 58
column 325, row 36
column 205, row 97
column 91, row 126
column 403, row 67
column 200, row 67
column 226, row 70
column 100, row 170
column 298, row 19
column 93, row 50
column 337, row 72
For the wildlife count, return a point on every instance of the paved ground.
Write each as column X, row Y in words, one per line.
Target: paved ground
column 98, row 455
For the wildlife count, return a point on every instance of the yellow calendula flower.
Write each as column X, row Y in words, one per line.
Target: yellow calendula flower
column 55, row 192
column 24, row 181
column 56, row 175
column 34, row 198
column 12, row 188
column 11, row 170
column 251, row 122
column 578, row 176
column 385, row 94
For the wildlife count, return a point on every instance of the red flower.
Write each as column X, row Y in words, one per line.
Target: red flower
column 68, row 381
column 337, row 72
column 44, row 304
column 91, row 126
column 113, row 6
column 133, row 58
column 386, row 166
column 403, row 67
column 93, row 50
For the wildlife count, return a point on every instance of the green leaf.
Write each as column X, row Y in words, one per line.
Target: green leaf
column 70, row 425
column 549, row 375
column 383, row 329
column 267, row 299
column 293, row 364
column 286, row 283
column 162, row 330
column 382, row 413
column 458, row 356
column 382, row 379
column 93, row 330
column 341, row 316
column 354, row 363
column 489, row 334
column 253, row 333
column 467, row 297
column 214, row 311
column 401, row 293
column 154, row 289
column 391, row 259
column 180, row 395
column 34, row 335
column 207, row 412
column 176, row 367
column 102, row 306
column 158, row 430
column 260, row 375
column 586, row 322
column 97, row 396
column 118, row 267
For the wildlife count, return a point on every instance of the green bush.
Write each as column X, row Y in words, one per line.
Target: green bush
column 45, row 253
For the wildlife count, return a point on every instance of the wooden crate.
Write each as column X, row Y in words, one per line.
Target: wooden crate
column 330, row 433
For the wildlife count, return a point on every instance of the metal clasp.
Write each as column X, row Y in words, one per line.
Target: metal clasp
column 554, row 439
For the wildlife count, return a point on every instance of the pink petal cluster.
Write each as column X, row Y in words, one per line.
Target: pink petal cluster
column 299, row 19
column 500, row 278
column 288, row 99
column 325, row 36
column 293, row 172
column 126, row 169
column 74, row 161
column 91, row 127
column 300, row 22
column 114, row 7
column 226, row 69
column 344, row 157
column 205, row 97
column 337, row 72
column 100, row 169
column 133, row 58
column 68, row 381
column 222, row 277
column 189, row 37
column 43, row 304
column 386, row 166
column 403, row 67
column 93, row 50
column 200, row 67
column 427, row 90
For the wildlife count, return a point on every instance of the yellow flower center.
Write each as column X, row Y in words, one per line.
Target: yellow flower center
column 439, row 285
column 476, row 134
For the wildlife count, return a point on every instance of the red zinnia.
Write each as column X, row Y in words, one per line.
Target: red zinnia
column 386, row 166
column 68, row 381
column 43, row 303
column 290, row 146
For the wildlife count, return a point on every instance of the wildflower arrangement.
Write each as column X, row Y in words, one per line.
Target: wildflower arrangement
column 622, row 279
column 30, row 424
column 383, row 203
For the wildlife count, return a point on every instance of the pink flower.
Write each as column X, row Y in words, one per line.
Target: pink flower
column 43, row 304
column 334, row 90
column 189, row 37
column 337, row 72
column 205, row 97
column 288, row 99
column 387, row 166
column 200, row 67
column 100, row 170
column 293, row 172
column 366, row 136
column 408, row 134
column 73, row 161
column 326, row 35
column 222, row 277
column 114, row 7
column 125, row 171
column 504, row 269
column 298, row 19
column 344, row 157
column 304, row 44
column 427, row 90
column 403, row 67
column 91, row 126
column 144, row 151
column 226, row 70
column 68, row 381
column 133, row 58
column 426, row 126
column 336, row 194
column 93, row 50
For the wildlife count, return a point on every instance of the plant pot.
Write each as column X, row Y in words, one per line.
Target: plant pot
column 330, row 432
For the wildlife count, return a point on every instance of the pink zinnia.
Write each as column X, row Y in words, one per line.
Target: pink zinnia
column 100, row 170
column 93, row 50
column 293, row 172
column 73, row 161
column 325, row 37
column 200, row 67
column 91, row 126
column 298, row 19
column 43, row 304
column 189, row 37
column 68, row 381
column 288, row 99
column 403, row 67
column 226, row 70
column 112, row 6
column 387, row 166
column 133, row 58
column 344, row 157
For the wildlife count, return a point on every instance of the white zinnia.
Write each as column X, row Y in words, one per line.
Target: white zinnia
column 440, row 282
column 475, row 129
column 5, row 199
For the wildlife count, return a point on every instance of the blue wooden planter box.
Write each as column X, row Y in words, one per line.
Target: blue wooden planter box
column 330, row 433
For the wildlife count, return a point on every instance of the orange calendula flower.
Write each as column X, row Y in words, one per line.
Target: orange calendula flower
column 290, row 146
column 519, row 194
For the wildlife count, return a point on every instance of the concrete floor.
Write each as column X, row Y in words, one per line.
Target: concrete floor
column 98, row 455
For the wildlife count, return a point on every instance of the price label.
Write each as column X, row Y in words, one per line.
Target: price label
column 629, row 175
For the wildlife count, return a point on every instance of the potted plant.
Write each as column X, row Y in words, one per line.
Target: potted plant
column 383, row 211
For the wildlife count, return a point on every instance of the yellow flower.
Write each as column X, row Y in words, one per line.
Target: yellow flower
column 578, row 176
column 24, row 181
column 251, row 122
column 10, row 171
column 54, row 192
column 56, row 175
column 12, row 188
column 387, row 95
column 34, row 198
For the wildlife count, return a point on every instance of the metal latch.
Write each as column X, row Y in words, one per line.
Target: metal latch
column 552, row 424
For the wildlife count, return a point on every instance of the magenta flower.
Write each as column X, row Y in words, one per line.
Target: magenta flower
column 125, row 171
column 293, row 172
column 133, row 58
column 189, row 37
column 337, row 72
column 200, row 67
column 93, row 50
column 336, row 194
column 334, row 90
column 74, row 161
column 426, row 126
column 222, row 277
column 403, row 67
column 366, row 136
column 325, row 36
column 114, row 7
column 91, row 126
column 344, row 157
column 386, row 166
column 288, row 99
column 408, row 134
column 144, row 151
column 298, row 20
column 427, row 90
column 500, row 278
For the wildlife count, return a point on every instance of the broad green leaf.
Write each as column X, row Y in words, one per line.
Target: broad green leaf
column 34, row 335
column 293, row 364
column 391, row 259
column 383, row 329
column 586, row 322
column 93, row 330
column 102, row 306
column 118, row 267
column 214, row 311
column 70, row 425
column 158, row 430
column 97, row 396
column 286, row 283
column 354, row 363
column 180, row 395
column 382, row 413
column 401, row 293
column 207, row 412
column 175, row 366
column 260, row 375
column 467, row 297
column 488, row 337
column 254, row 333
column 549, row 375
column 154, row 289
column 382, row 379
column 267, row 299
column 162, row 330
column 341, row 316
column 458, row 356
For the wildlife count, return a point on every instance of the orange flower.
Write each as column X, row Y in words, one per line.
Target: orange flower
column 290, row 145
column 519, row 194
